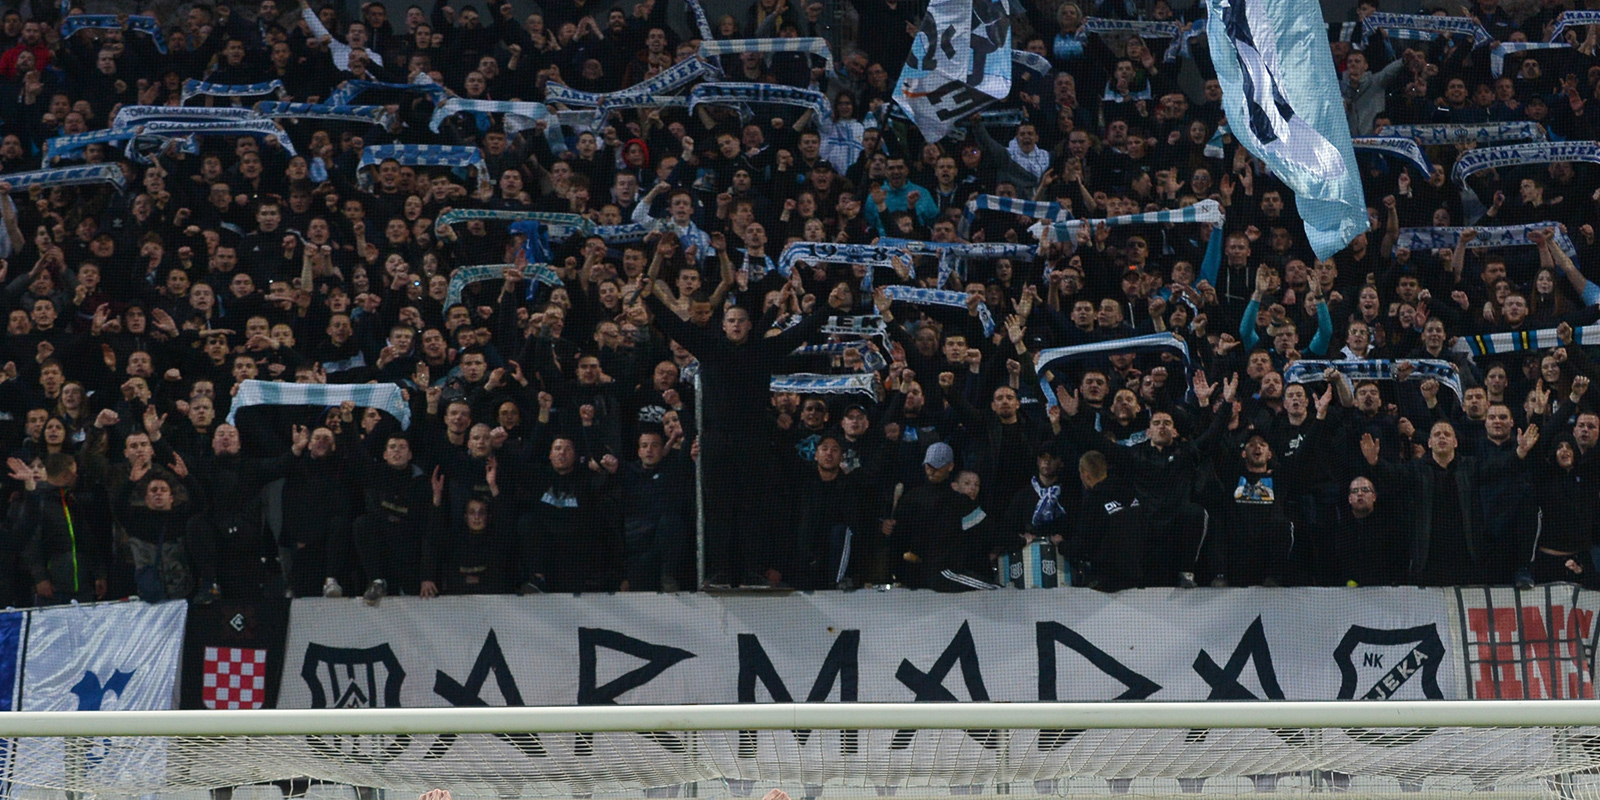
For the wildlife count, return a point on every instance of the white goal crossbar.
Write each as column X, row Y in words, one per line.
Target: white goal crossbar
column 820, row 716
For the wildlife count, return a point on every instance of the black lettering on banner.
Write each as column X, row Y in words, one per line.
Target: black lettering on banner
column 841, row 665
column 964, row 100
column 354, row 677
column 929, row 686
column 491, row 660
column 1423, row 661
column 1224, row 680
column 658, row 657
column 1048, row 635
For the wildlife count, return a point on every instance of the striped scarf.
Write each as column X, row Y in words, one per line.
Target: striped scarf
column 974, row 250
column 351, row 89
column 814, row 45
column 1203, row 211
column 1046, row 361
column 870, row 358
column 1497, row 56
column 1417, row 239
column 146, row 25
column 828, row 253
column 382, row 396
column 73, row 145
column 67, row 176
column 862, row 327
column 478, row 273
column 129, row 116
column 809, row 383
column 700, row 22
column 375, row 115
column 1477, row 133
column 197, row 88
column 630, row 233
column 429, row 155
column 673, row 78
column 527, row 111
column 1569, row 19
column 1031, row 61
column 1416, row 27
column 919, row 296
column 262, row 127
column 569, row 223
column 1397, row 146
column 1142, row 28
column 737, row 93
column 1517, row 154
column 1491, row 344
column 1010, row 205
column 1377, row 370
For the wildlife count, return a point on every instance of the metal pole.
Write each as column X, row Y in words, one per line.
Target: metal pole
column 699, row 490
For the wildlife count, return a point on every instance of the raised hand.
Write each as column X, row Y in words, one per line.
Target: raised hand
column 1369, row 448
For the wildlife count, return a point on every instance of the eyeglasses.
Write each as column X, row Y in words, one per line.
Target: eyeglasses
column 1363, row 490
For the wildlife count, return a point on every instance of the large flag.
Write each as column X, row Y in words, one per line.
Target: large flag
column 100, row 657
column 960, row 62
column 1282, row 99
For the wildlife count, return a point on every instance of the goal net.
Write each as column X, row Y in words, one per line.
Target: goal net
column 1402, row 748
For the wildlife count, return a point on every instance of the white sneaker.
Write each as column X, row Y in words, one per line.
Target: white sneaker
column 375, row 592
column 331, row 588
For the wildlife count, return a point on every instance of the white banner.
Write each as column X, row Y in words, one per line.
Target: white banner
column 101, row 657
column 1077, row 645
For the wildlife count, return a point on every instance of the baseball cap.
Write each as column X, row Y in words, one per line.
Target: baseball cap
column 939, row 456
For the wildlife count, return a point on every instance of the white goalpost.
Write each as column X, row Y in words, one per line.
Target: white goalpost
column 1548, row 748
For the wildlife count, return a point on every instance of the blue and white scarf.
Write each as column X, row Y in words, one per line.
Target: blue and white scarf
column 130, row 116
column 382, row 396
column 738, row 93
column 1497, row 56
column 1044, row 362
column 808, row 383
column 1377, row 370
column 67, row 176
column 670, row 80
column 567, row 224
column 146, row 25
column 375, row 115
column 478, row 273
column 628, row 233
column 73, row 145
column 1491, row 344
column 196, row 88
column 520, row 115
column 142, row 148
column 1477, row 133
column 1397, row 146
column 815, row 45
column 1143, row 28
column 700, row 22
column 1573, row 19
column 1010, row 205
column 430, row 155
column 1203, row 211
column 260, row 128
column 348, row 91
column 561, row 93
column 1048, row 509
column 1031, row 61
column 919, row 296
column 1426, row 27
column 829, row 253
column 970, row 250
column 871, row 359
column 1514, row 155
column 861, row 327
column 1418, row 239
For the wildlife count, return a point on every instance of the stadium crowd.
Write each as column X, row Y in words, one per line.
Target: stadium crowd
column 547, row 434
